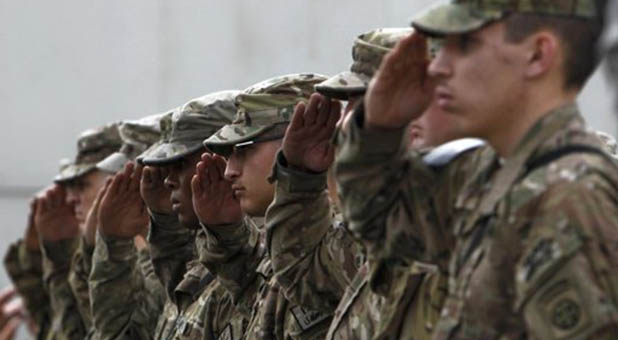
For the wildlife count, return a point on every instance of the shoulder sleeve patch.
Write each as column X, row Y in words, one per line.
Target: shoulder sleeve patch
column 307, row 318
column 446, row 153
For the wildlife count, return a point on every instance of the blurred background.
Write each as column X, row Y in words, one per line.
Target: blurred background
column 70, row 65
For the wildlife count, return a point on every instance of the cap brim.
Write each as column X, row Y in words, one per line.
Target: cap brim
column 73, row 171
column 344, row 85
column 168, row 153
column 233, row 134
column 447, row 19
column 113, row 163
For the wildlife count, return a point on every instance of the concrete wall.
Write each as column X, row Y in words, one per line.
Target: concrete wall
column 68, row 65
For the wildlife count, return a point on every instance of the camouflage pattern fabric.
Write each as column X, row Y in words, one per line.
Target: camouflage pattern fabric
column 79, row 273
column 368, row 50
column 92, row 146
column 25, row 269
column 66, row 322
column 262, row 107
column 462, row 16
column 126, row 295
column 195, row 121
column 527, row 259
column 137, row 136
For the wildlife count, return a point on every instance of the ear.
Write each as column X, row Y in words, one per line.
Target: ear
column 542, row 54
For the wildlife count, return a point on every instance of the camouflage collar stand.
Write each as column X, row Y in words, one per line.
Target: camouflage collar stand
column 463, row 16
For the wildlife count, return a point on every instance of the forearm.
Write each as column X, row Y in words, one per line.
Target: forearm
column 78, row 279
column 313, row 259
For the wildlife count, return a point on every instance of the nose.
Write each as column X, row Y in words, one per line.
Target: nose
column 171, row 180
column 72, row 196
column 232, row 168
column 439, row 66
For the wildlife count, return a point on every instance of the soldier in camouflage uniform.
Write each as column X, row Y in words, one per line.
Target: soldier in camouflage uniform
column 196, row 305
column 251, row 142
column 136, row 137
column 59, row 216
column 406, row 302
column 526, row 230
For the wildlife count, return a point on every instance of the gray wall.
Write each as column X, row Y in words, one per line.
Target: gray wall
column 68, row 65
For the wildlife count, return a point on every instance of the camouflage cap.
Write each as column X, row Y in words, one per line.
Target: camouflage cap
column 92, row 146
column 264, row 106
column 196, row 120
column 463, row 16
column 368, row 50
column 137, row 136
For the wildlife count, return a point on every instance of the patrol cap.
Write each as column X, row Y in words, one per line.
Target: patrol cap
column 264, row 110
column 463, row 16
column 368, row 50
column 137, row 136
column 92, row 146
column 196, row 120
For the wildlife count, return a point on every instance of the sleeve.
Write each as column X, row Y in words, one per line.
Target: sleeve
column 565, row 278
column 171, row 247
column 314, row 257
column 66, row 321
column 122, row 306
column 25, row 269
column 78, row 279
column 233, row 253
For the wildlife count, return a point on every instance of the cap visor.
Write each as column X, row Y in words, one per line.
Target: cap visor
column 72, row 172
column 232, row 134
column 447, row 19
column 113, row 163
column 344, row 85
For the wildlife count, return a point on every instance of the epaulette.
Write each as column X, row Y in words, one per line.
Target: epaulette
column 447, row 152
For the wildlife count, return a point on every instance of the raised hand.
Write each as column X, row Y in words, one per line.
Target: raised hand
column 307, row 142
column 401, row 89
column 92, row 220
column 31, row 238
column 213, row 198
column 55, row 218
column 154, row 193
column 122, row 212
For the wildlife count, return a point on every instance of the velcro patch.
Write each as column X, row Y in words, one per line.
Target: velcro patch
column 307, row 318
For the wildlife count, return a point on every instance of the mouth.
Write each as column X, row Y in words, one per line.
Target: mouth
column 238, row 191
column 443, row 97
column 175, row 205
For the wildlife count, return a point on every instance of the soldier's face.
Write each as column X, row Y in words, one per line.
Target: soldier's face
column 178, row 181
column 479, row 80
column 248, row 169
column 82, row 191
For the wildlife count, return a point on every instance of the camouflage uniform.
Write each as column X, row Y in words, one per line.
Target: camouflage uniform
column 532, row 233
column 67, row 321
column 197, row 307
column 405, row 301
column 24, row 267
column 264, row 111
column 127, row 267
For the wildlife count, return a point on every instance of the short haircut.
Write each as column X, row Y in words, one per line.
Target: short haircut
column 579, row 38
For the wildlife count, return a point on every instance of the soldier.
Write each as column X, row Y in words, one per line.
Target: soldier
column 195, row 306
column 251, row 142
column 136, row 137
column 61, row 214
column 532, row 224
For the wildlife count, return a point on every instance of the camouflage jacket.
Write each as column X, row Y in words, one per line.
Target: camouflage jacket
column 78, row 280
column 25, row 269
column 235, row 253
column 66, row 322
column 314, row 258
column 532, row 255
column 127, row 297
